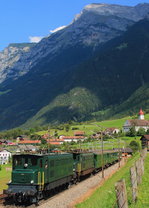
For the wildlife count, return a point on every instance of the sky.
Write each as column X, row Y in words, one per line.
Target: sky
column 30, row 20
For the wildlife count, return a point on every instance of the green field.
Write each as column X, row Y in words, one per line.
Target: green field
column 105, row 197
column 89, row 128
column 5, row 176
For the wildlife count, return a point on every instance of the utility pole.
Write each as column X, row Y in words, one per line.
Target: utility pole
column 119, row 153
column 48, row 138
column 102, row 155
column 102, row 150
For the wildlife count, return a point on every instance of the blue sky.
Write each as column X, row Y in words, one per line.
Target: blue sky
column 24, row 20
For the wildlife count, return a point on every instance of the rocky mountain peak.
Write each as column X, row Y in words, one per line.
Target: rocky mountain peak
column 95, row 25
column 133, row 13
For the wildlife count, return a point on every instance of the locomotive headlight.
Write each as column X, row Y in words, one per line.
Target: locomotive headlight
column 25, row 165
column 32, row 181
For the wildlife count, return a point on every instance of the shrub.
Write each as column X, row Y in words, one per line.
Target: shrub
column 132, row 132
column 134, row 146
column 141, row 132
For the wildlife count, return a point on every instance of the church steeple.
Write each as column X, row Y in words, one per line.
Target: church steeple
column 141, row 115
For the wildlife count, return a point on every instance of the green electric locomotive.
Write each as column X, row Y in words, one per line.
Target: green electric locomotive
column 36, row 176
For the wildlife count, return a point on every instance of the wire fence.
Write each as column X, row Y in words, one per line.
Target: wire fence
column 136, row 173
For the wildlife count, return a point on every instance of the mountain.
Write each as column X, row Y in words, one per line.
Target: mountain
column 115, row 81
column 95, row 25
column 83, row 68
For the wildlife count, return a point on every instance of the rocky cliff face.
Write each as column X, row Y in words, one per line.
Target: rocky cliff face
column 95, row 25
column 9, row 56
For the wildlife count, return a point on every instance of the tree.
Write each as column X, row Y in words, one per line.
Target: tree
column 67, row 127
column 147, row 132
column 55, row 133
column 132, row 132
column 134, row 146
column 35, row 137
column 43, row 141
column 141, row 132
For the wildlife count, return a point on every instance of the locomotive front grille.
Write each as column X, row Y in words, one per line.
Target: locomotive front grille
column 23, row 177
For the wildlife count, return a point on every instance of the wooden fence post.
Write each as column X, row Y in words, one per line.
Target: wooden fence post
column 143, row 153
column 133, row 176
column 139, row 171
column 121, row 194
column 142, row 166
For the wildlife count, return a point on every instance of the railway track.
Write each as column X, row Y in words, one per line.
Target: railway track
column 41, row 202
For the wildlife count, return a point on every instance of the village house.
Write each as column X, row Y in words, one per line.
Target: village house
column 145, row 141
column 55, row 141
column 79, row 133
column 22, row 138
column 5, row 156
column 136, row 123
column 111, row 131
column 72, row 138
column 26, row 148
column 46, row 136
column 3, row 142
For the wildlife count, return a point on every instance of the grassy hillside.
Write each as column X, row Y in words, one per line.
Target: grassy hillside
column 92, row 127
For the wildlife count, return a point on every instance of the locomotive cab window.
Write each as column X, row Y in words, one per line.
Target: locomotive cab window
column 33, row 161
column 46, row 164
column 17, row 161
column 40, row 163
column 24, row 161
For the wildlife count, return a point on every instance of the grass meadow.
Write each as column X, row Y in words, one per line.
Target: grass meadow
column 5, row 175
column 89, row 128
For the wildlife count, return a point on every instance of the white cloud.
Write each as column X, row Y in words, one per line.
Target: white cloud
column 57, row 29
column 35, row 39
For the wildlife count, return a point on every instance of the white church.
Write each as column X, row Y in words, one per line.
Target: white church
column 137, row 123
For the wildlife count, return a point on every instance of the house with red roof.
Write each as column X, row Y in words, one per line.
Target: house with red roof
column 55, row 141
column 79, row 133
column 46, row 136
column 136, row 123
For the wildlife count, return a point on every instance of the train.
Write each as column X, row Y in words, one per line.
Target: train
column 35, row 177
